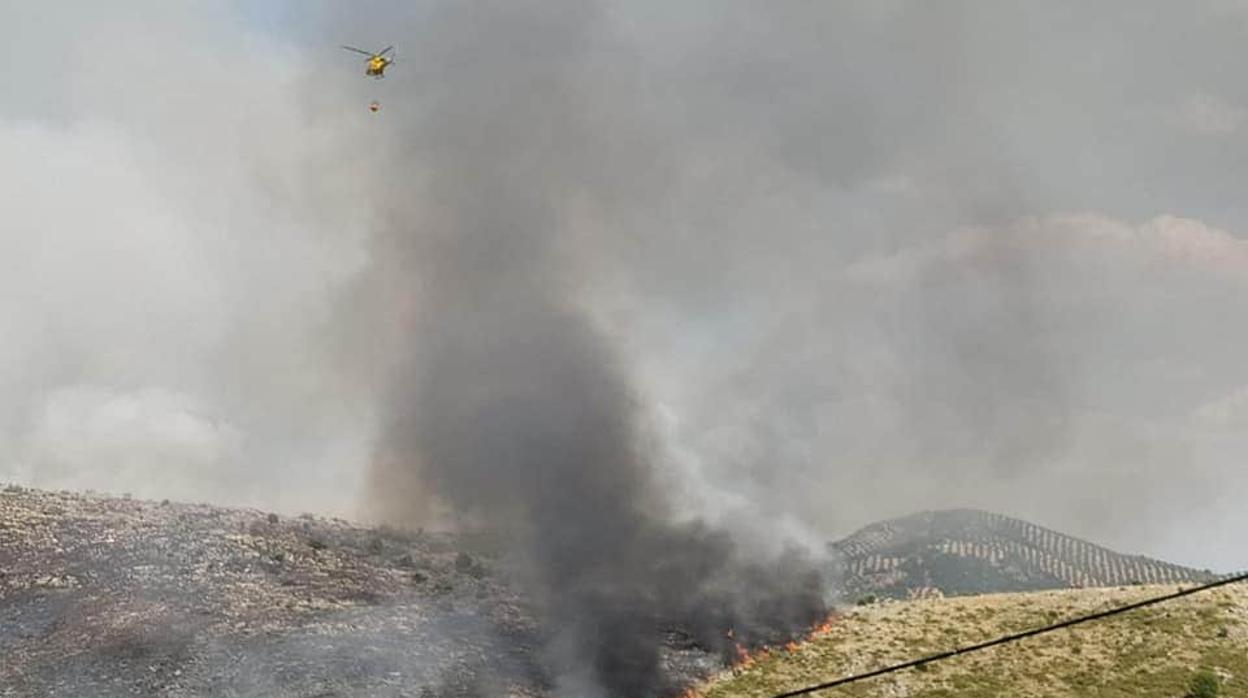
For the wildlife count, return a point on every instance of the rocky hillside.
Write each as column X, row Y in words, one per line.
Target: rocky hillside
column 1155, row 652
column 109, row 597
column 966, row 551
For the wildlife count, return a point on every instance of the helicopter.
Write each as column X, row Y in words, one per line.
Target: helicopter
column 377, row 62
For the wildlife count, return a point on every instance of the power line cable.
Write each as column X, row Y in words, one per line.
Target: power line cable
column 1015, row 637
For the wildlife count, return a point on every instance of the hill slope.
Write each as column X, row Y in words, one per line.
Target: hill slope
column 1151, row 652
column 103, row 596
column 965, row 551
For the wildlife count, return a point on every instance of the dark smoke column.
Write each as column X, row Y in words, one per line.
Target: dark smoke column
column 515, row 408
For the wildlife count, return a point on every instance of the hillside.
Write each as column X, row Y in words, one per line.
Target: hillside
column 108, row 596
column 964, row 551
column 112, row 596
column 1151, row 652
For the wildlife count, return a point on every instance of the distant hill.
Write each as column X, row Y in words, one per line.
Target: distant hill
column 966, row 551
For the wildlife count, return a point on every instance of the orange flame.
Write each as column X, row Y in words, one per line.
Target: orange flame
column 744, row 659
column 825, row 627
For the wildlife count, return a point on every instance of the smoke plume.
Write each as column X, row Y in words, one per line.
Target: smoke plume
column 515, row 407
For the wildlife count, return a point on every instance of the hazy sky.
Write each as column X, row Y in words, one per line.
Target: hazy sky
column 860, row 258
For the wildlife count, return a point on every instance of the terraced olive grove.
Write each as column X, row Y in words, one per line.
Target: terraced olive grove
column 966, row 551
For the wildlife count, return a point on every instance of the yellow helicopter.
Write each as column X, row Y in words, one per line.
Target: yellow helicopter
column 377, row 62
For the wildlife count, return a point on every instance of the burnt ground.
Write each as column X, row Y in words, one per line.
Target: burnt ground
column 112, row 597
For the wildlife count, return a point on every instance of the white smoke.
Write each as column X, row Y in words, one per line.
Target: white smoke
column 176, row 229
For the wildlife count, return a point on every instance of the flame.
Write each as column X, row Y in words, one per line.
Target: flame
column 825, row 627
column 744, row 659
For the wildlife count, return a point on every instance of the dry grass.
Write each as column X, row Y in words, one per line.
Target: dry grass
column 1149, row 652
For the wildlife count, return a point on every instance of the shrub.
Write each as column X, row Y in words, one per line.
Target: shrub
column 1203, row 685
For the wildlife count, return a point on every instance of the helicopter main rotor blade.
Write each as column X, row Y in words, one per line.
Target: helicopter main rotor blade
column 358, row 50
column 385, row 50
